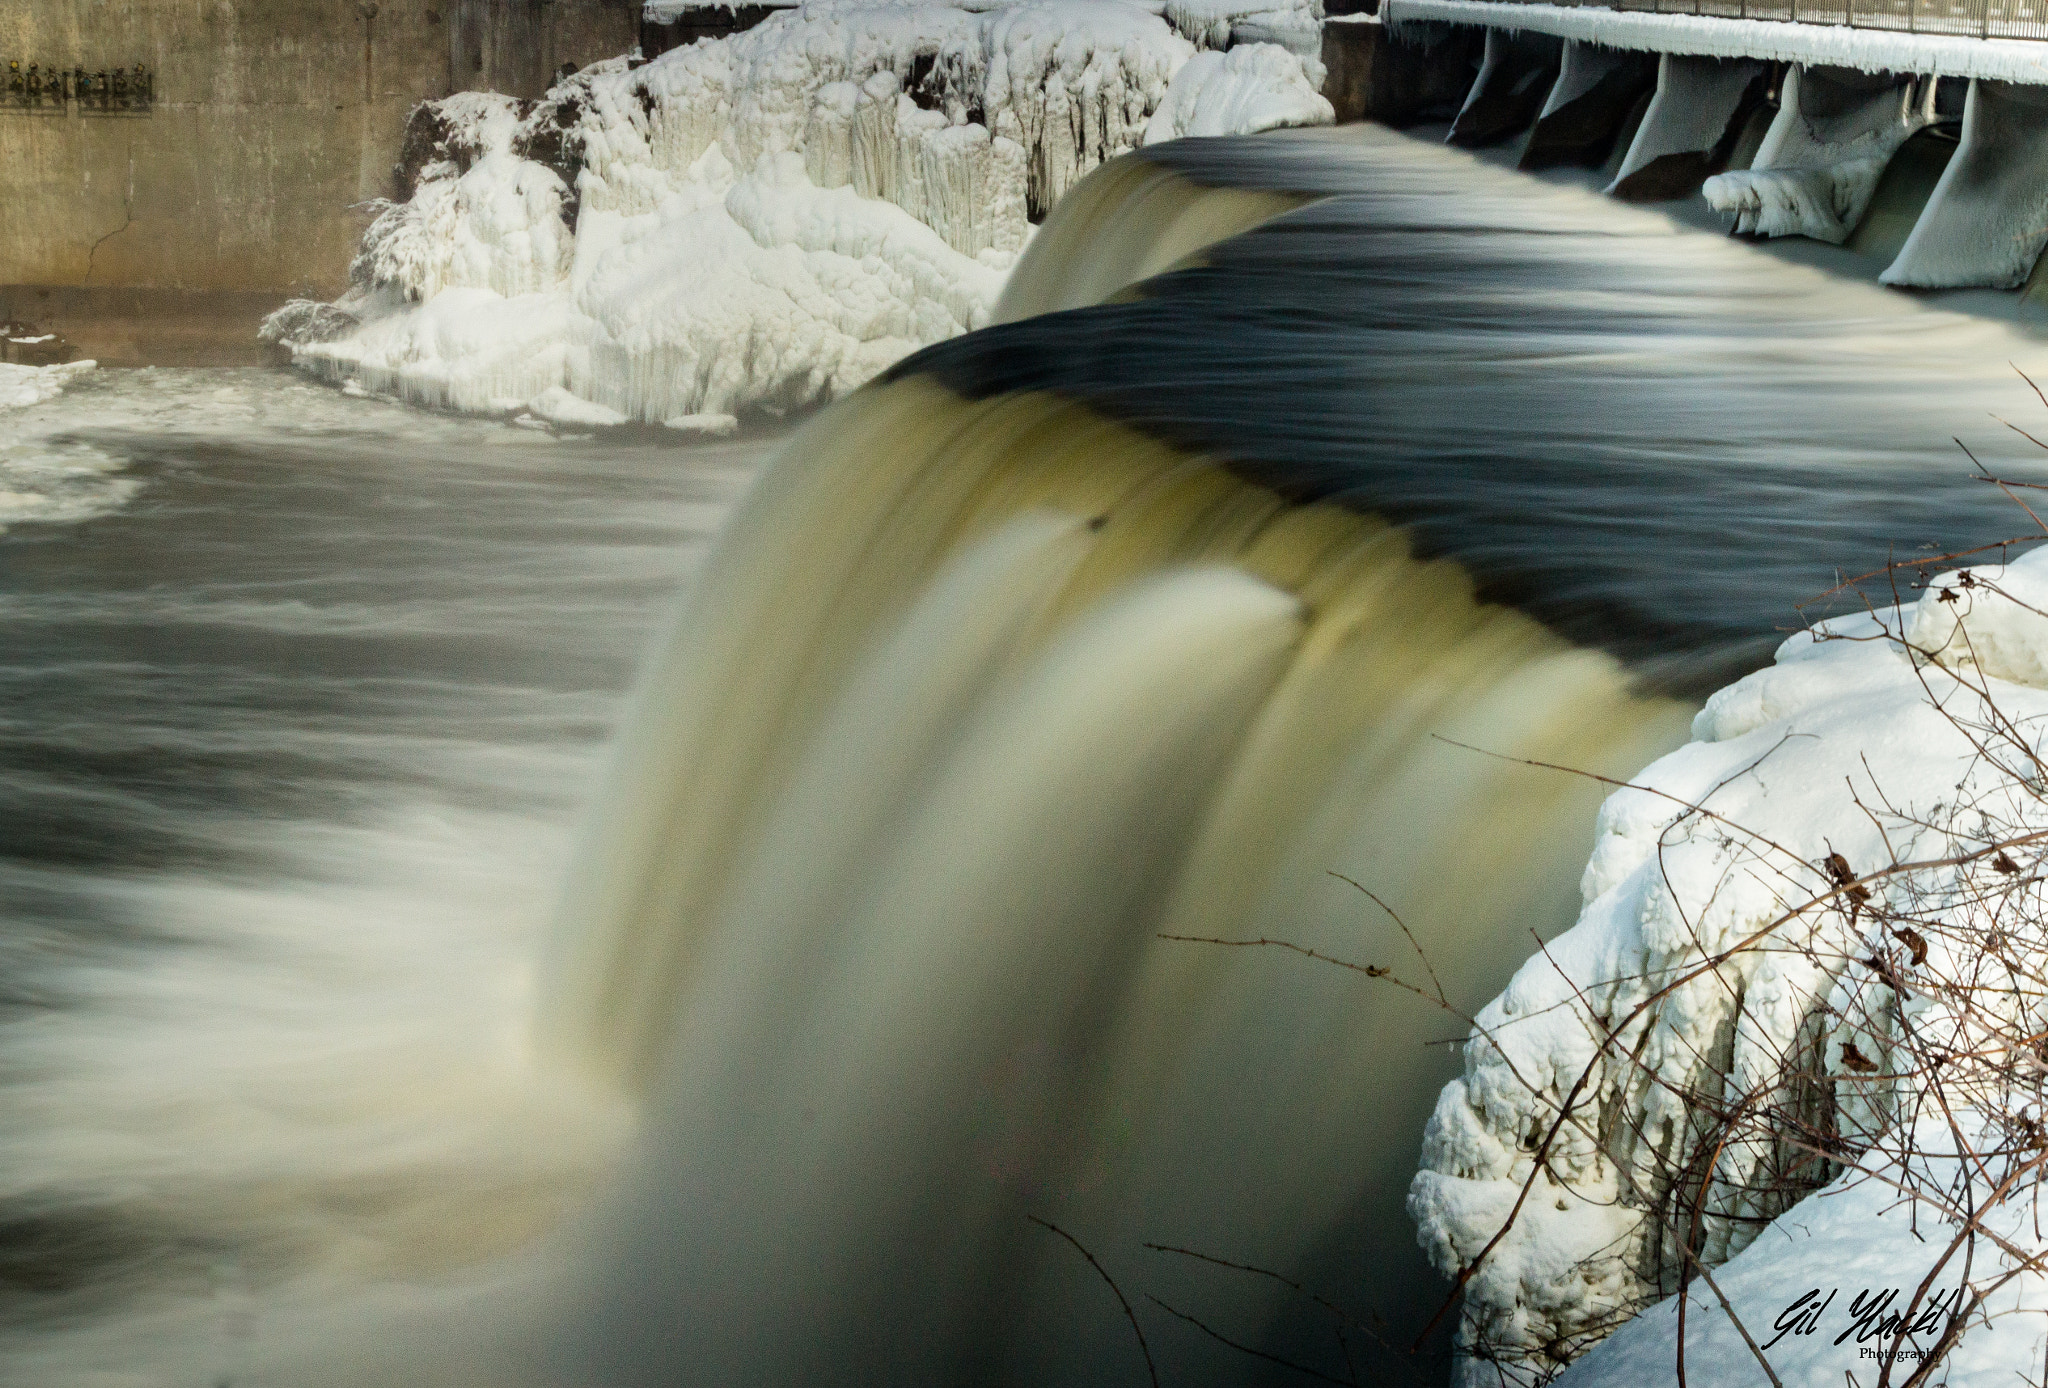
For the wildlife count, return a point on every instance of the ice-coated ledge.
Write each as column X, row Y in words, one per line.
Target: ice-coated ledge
column 1871, row 50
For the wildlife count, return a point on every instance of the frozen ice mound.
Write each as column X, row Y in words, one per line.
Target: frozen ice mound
column 1726, row 954
column 767, row 220
column 1992, row 621
column 22, row 386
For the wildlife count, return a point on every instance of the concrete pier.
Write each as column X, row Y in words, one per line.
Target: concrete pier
column 1848, row 127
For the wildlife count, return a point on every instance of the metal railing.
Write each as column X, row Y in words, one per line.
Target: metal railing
column 1977, row 19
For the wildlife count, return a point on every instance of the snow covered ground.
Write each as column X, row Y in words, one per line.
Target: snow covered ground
column 1793, row 1047
column 769, row 220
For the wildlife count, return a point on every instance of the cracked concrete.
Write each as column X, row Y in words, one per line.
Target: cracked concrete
column 273, row 124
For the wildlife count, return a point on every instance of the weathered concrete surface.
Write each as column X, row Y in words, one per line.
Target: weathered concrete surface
column 1598, row 92
column 149, row 327
column 273, row 120
column 1514, row 78
column 516, row 46
column 1397, row 76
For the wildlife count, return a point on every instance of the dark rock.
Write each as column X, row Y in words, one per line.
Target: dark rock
column 551, row 135
column 25, row 344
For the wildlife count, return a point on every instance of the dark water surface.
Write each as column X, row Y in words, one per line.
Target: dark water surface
column 299, row 696
column 1654, row 438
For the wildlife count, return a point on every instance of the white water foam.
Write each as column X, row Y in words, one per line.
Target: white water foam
column 289, row 761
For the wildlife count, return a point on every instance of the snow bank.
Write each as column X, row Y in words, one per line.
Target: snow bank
column 1296, row 25
column 22, row 386
column 1237, row 93
column 1826, row 1286
column 766, row 220
column 1725, row 958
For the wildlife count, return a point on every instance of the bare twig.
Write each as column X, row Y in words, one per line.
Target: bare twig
column 1151, row 1370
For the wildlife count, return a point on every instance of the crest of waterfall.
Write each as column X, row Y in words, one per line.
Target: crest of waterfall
column 977, row 703
column 1127, row 222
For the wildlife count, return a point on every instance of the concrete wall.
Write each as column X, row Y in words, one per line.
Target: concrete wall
column 273, row 118
column 516, row 46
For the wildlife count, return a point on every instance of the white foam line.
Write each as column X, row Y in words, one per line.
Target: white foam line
column 1872, row 50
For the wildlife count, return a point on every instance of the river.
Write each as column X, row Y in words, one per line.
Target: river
column 882, row 976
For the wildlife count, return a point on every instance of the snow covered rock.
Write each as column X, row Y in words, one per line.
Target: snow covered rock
column 1797, row 947
column 1258, row 86
column 767, row 220
column 1991, row 620
column 1861, row 1273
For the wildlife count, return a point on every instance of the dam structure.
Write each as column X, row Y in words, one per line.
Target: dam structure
column 984, row 881
column 171, row 170
column 1914, row 132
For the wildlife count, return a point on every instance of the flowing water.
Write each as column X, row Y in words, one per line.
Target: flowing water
column 302, row 694
column 907, row 948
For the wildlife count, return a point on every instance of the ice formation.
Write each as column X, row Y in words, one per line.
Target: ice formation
column 51, row 474
column 1229, row 93
column 1821, row 159
column 22, row 386
column 767, row 220
column 1295, row 24
column 1724, row 956
column 662, row 11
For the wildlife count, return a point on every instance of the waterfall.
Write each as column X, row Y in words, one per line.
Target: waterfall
column 974, row 704
column 1015, row 681
column 1127, row 221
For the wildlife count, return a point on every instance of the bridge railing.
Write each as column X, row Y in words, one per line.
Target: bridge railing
column 1982, row 19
